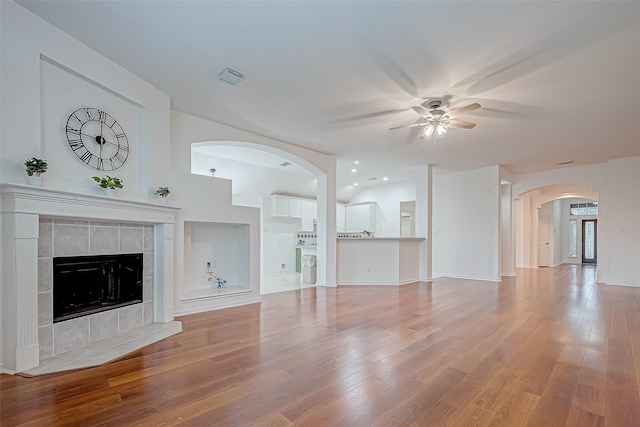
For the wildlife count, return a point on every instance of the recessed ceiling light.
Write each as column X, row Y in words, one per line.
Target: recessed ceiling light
column 354, row 170
column 355, row 183
column 385, row 179
column 231, row 76
column 568, row 162
column 357, row 162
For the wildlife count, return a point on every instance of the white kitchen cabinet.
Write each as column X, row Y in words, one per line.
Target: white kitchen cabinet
column 307, row 214
column 279, row 206
column 295, row 208
column 361, row 216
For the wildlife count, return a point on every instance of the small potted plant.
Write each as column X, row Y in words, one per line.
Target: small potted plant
column 366, row 233
column 34, row 167
column 109, row 183
column 162, row 192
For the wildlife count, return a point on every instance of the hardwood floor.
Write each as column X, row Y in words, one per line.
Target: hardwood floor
column 548, row 348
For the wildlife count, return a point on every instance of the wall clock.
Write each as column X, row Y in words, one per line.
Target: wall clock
column 97, row 139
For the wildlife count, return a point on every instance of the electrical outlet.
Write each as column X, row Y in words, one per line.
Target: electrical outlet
column 283, row 266
column 368, row 270
column 208, row 265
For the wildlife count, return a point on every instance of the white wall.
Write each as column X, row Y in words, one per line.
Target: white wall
column 388, row 198
column 618, row 225
column 466, row 224
column 251, row 179
column 45, row 75
column 207, row 200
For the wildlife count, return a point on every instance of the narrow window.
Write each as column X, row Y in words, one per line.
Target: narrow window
column 573, row 237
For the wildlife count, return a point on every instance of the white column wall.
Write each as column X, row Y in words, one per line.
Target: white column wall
column 559, row 245
column 507, row 255
column 424, row 219
column 618, row 224
column 466, row 224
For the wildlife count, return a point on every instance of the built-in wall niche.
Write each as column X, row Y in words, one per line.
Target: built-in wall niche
column 215, row 251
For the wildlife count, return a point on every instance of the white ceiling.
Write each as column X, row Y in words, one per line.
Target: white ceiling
column 557, row 81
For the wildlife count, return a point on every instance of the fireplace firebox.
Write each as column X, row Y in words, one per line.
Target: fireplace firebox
column 89, row 284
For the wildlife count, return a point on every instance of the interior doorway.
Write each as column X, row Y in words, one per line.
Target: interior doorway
column 543, row 241
column 589, row 241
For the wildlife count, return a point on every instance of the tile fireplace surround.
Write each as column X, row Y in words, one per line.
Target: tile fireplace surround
column 28, row 215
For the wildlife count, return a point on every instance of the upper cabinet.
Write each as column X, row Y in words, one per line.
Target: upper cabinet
column 294, row 207
column 349, row 218
column 279, row 206
column 360, row 217
column 308, row 214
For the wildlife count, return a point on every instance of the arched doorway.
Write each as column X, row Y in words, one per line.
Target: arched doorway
column 263, row 176
column 549, row 229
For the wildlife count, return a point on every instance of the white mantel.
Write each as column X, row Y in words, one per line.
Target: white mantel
column 21, row 207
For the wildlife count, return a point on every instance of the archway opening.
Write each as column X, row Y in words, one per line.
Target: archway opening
column 549, row 226
column 285, row 189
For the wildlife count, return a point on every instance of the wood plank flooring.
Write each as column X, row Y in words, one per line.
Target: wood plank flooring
column 547, row 348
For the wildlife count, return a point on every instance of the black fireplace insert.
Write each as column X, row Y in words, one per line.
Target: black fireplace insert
column 89, row 284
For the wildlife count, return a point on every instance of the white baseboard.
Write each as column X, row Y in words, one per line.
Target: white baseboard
column 482, row 279
column 630, row 285
column 220, row 304
column 327, row 284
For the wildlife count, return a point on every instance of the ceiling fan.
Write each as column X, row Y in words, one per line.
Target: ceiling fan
column 436, row 121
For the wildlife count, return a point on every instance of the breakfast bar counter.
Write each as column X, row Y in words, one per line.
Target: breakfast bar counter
column 378, row 260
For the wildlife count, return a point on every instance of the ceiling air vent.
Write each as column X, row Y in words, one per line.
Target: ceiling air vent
column 231, row 76
column 285, row 164
column 372, row 178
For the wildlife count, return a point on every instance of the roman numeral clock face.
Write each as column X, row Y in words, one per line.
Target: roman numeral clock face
column 97, row 139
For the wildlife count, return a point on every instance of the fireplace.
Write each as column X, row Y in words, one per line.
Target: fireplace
column 84, row 285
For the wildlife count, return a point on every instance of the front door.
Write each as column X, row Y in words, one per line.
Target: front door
column 589, row 241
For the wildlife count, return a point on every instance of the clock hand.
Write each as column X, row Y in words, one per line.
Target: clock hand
column 101, row 140
column 114, row 144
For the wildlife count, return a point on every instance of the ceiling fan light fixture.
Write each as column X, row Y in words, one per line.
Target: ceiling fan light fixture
column 429, row 129
column 441, row 129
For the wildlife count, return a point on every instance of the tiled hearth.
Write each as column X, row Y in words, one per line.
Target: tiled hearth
column 42, row 223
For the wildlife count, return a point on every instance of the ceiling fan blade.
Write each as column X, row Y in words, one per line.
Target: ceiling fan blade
column 421, row 111
column 409, row 126
column 463, row 110
column 461, row 124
